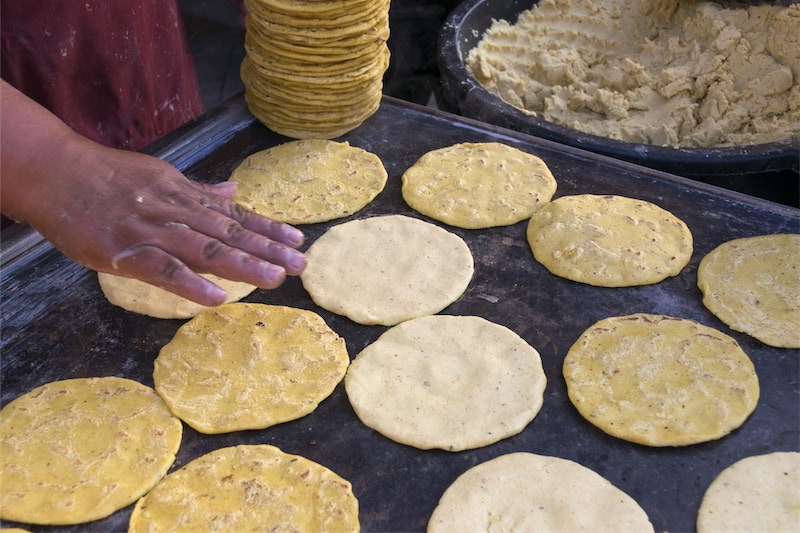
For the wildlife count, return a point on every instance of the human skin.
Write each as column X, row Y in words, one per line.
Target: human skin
column 132, row 214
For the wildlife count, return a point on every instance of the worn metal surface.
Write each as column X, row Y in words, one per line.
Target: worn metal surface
column 56, row 325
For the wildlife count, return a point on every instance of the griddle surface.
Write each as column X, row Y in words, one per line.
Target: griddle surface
column 56, row 324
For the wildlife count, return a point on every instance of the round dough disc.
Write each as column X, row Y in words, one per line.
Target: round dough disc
column 384, row 270
column 78, row 450
column 609, row 241
column 753, row 286
column 313, row 180
column 660, row 381
column 758, row 493
column 248, row 488
column 449, row 382
column 205, row 373
column 140, row 297
column 527, row 492
column 478, row 185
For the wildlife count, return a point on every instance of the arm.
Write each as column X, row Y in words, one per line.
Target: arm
column 131, row 214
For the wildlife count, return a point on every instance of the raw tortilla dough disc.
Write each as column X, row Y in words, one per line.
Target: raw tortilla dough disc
column 478, row 185
column 660, row 381
column 140, row 297
column 449, row 382
column 303, row 182
column 609, row 241
column 78, row 450
column 249, row 366
column 248, row 488
column 384, row 270
column 753, row 286
column 527, row 492
column 756, row 494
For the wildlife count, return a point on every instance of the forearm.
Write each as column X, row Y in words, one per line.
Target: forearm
column 35, row 147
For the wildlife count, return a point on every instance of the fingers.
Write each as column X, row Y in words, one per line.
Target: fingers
column 156, row 267
column 242, row 230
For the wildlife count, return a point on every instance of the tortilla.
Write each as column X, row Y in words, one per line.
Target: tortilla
column 249, row 488
column 758, row 493
column 387, row 269
column 659, row 380
column 206, row 372
column 303, row 182
column 478, row 185
column 609, row 241
column 448, row 382
column 296, row 50
column 753, row 285
column 140, row 297
column 526, row 492
column 80, row 449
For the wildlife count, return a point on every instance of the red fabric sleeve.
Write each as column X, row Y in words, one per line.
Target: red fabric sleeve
column 118, row 72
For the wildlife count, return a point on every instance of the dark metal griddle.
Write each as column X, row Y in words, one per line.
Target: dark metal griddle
column 57, row 325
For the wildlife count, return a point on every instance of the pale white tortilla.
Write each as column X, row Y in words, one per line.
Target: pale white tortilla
column 526, row 492
column 756, row 494
column 387, row 269
column 448, row 382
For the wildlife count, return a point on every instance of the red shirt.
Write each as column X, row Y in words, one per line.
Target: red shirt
column 119, row 72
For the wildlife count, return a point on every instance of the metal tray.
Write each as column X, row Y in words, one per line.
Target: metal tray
column 56, row 324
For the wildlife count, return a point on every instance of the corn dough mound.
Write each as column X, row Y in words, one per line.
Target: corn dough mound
column 448, row 382
column 681, row 74
column 527, row 492
column 249, row 366
column 478, row 185
column 384, row 270
column 660, row 381
column 78, row 450
column 309, row 181
column 249, row 488
column 755, row 494
column 609, row 241
column 753, row 286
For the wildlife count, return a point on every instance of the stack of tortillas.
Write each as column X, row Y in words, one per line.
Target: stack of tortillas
column 314, row 68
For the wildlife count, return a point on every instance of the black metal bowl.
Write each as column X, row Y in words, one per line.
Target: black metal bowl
column 767, row 170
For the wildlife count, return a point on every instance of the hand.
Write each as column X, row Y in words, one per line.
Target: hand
column 134, row 215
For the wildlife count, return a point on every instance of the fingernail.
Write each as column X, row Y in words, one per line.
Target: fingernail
column 295, row 236
column 216, row 294
column 297, row 261
column 274, row 275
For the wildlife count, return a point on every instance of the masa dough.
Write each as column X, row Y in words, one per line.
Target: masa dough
column 688, row 74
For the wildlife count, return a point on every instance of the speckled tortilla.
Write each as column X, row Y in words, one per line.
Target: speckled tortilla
column 659, row 380
column 753, row 285
column 249, row 488
column 249, row 366
column 478, row 185
column 527, row 492
column 609, row 241
column 78, row 450
column 140, row 297
column 448, row 382
column 756, row 494
column 303, row 182
column 387, row 269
